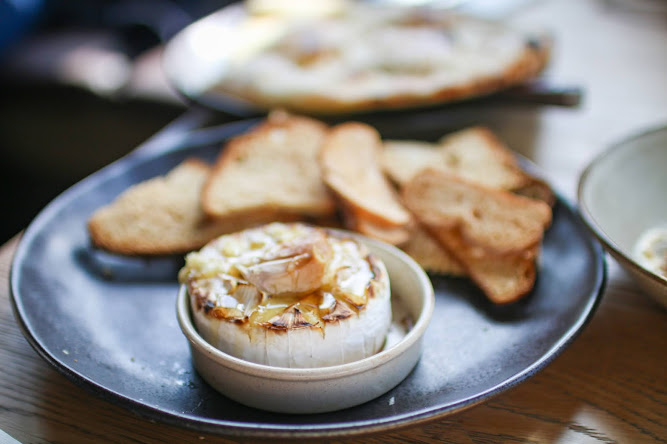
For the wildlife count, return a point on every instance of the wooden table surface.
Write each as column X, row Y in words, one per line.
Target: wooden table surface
column 609, row 386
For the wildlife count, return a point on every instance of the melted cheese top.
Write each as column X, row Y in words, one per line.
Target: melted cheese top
column 281, row 276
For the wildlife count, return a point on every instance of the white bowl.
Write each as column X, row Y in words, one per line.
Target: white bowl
column 622, row 194
column 324, row 389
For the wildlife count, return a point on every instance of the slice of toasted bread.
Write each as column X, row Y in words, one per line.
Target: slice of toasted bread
column 350, row 167
column 395, row 235
column 502, row 278
column 493, row 234
column 428, row 253
column 160, row 216
column 475, row 154
column 495, row 220
column 271, row 168
column 401, row 160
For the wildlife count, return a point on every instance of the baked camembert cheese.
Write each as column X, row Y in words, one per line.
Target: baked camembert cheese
column 289, row 295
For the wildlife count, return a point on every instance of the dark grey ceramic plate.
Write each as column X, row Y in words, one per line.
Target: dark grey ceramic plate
column 108, row 323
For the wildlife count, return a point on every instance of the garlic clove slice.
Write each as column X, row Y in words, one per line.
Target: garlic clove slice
column 339, row 312
column 249, row 297
column 301, row 272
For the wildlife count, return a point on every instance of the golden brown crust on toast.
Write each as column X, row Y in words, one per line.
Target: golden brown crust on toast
column 496, row 220
column 162, row 215
column 474, row 154
column 493, row 234
column 350, row 167
column 427, row 251
column 273, row 167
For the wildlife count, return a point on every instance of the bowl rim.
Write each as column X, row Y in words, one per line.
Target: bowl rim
column 319, row 373
column 591, row 222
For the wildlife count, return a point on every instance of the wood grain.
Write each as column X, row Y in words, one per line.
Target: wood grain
column 609, row 386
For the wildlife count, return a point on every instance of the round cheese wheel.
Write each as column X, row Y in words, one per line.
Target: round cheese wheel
column 289, row 295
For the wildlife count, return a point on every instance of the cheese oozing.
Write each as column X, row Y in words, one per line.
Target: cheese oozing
column 289, row 295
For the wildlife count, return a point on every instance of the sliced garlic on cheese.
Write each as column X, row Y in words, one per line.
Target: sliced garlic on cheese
column 289, row 295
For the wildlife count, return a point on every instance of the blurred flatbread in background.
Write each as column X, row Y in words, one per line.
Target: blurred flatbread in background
column 362, row 57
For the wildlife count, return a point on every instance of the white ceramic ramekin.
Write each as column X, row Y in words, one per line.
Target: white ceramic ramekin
column 317, row 390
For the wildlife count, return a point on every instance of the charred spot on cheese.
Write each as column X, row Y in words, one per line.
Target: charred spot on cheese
column 289, row 319
column 206, row 305
column 375, row 267
column 340, row 311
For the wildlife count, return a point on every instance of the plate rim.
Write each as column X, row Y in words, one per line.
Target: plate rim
column 259, row 430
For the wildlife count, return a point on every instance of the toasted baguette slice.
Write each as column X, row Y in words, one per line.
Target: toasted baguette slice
column 428, row 253
column 494, row 220
column 474, row 154
column 271, row 168
column 392, row 235
column 350, row 166
column 395, row 235
column 160, row 216
column 401, row 160
column 493, row 234
column 503, row 279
